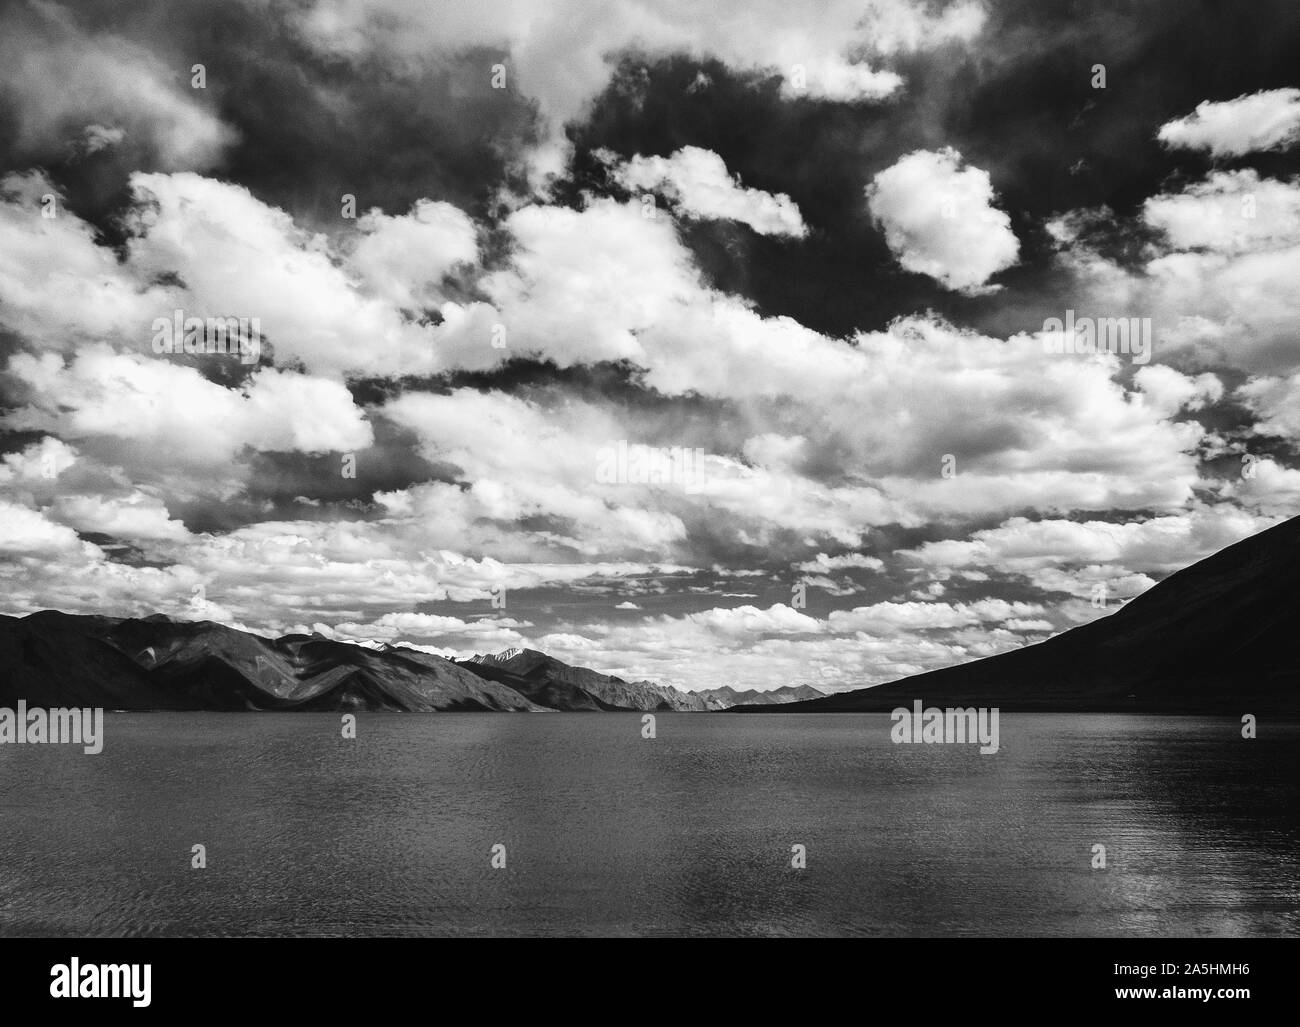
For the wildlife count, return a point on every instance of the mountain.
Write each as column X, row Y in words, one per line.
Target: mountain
column 551, row 683
column 155, row 663
column 728, row 696
column 55, row 659
column 1221, row 636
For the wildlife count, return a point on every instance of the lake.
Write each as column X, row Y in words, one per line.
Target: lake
column 689, row 833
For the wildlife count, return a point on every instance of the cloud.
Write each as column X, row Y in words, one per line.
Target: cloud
column 206, row 248
column 749, row 647
column 404, row 257
column 939, row 219
column 1169, row 391
column 1026, row 429
column 1159, row 544
column 1275, row 402
column 517, row 461
column 1228, row 212
column 41, row 461
column 425, row 625
column 891, row 617
column 698, row 184
column 802, row 452
column 561, row 54
column 136, row 517
column 57, row 285
column 1217, row 280
column 1091, row 582
column 69, row 488
column 149, row 401
column 28, row 533
column 824, row 564
column 67, row 85
column 1025, row 432
column 1266, row 487
column 750, row 620
column 211, row 249
column 238, row 256
column 1267, row 120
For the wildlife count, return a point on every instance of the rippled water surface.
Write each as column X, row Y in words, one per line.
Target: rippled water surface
column 689, row 833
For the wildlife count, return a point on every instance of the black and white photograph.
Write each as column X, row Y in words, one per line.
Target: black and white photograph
column 650, row 471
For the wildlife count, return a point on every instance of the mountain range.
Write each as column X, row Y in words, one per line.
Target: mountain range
column 56, row 659
column 1218, row 636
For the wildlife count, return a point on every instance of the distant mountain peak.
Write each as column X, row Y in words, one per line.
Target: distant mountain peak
column 504, row 656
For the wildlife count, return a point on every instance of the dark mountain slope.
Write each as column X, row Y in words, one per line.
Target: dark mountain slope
column 55, row 659
column 1222, row 635
column 50, row 659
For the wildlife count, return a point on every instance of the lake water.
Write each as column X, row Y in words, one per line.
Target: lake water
column 690, row 833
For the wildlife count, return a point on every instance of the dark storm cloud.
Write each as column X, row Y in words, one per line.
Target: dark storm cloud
column 118, row 551
column 314, row 487
column 1018, row 103
column 304, row 129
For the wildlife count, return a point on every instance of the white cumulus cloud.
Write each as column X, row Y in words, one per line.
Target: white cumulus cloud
column 939, row 219
column 1267, row 120
column 698, row 184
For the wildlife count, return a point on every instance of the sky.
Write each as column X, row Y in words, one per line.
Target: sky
column 737, row 343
